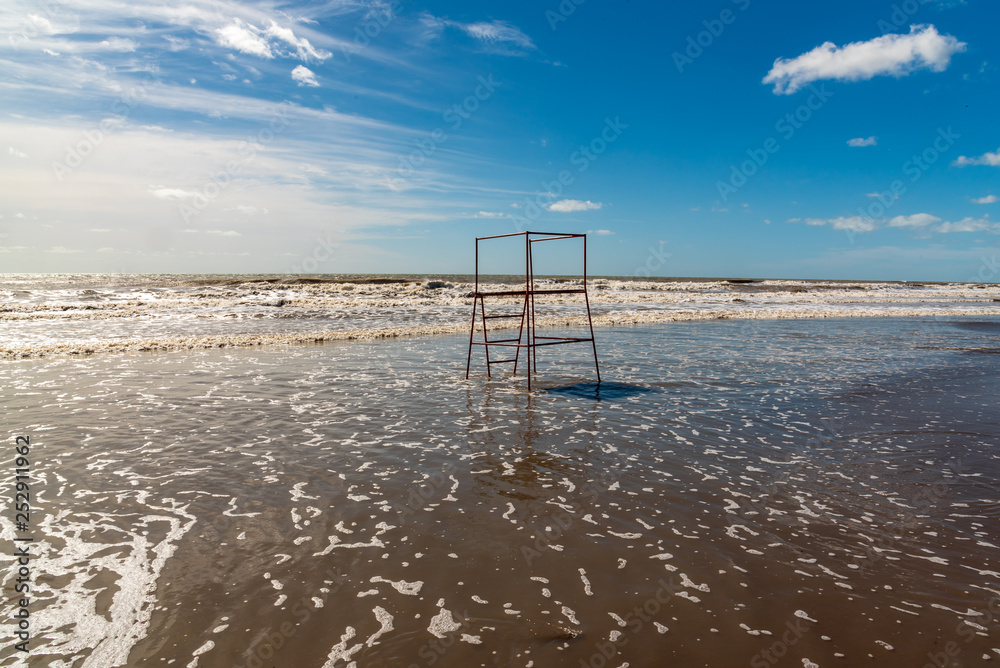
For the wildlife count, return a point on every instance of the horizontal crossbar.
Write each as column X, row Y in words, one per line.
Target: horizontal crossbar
column 522, row 293
column 500, row 361
column 527, row 345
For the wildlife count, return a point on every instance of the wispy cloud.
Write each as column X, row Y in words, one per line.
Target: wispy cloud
column 848, row 223
column 497, row 31
column 500, row 36
column 990, row 159
column 572, row 205
column 600, row 233
column 888, row 55
column 989, row 199
column 924, row 222
column 861, row 141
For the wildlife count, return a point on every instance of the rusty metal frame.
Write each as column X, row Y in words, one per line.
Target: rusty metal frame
column 526, row 331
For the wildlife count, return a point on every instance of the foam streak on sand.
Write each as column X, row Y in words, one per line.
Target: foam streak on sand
column 84, row 314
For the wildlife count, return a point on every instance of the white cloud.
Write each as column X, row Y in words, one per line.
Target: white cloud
column 989, row 199
column 600, row 233
column 17, row 154
column 62, row 249
column 861, row 141
column 916, row 220
column 171, row 193
column 303, row 49
column 990, row 159
column 969, row 225
column 99, row 230
column 304, row 76
column 248, row 38
column 245, row 38
column 491, row 214
column 571, row 205
column 893, row 55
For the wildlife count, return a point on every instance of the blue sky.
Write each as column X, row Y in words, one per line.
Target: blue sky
column 725, row 138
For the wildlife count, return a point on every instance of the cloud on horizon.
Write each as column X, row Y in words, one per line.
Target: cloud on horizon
column 918, row 221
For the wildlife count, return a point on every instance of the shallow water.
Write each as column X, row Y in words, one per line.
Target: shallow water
column 735, row 493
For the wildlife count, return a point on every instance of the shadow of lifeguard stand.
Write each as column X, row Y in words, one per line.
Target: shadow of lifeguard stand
column 526, row 336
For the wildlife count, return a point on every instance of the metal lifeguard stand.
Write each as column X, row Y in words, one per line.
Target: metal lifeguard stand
column 526, row 336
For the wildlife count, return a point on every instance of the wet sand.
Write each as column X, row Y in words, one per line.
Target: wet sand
column 797, row 493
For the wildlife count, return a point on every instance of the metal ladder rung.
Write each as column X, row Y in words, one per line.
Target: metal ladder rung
column 512, row 315
column 501, row 361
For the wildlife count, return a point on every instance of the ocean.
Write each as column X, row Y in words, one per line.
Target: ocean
column 269, row 471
